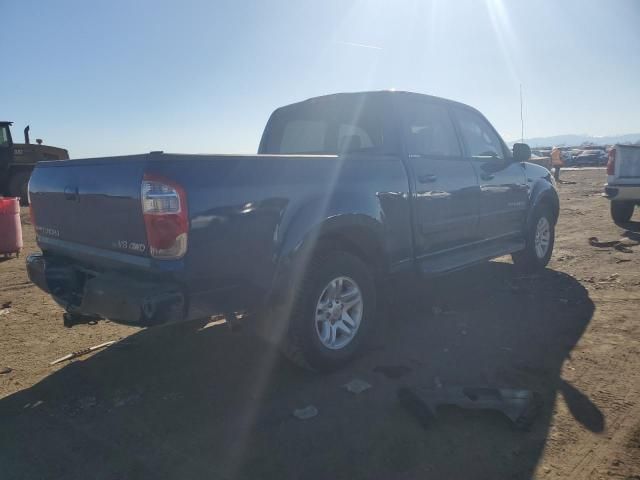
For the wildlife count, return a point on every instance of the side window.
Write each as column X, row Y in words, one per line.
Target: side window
column 303, row 136
column 478, row 136
column 428, row 131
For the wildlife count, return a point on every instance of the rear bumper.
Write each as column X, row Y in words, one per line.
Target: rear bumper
column 621, row 192
column 124, row 296
column 110, row 295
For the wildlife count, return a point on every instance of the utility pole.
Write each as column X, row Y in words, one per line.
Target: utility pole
column 521, row 118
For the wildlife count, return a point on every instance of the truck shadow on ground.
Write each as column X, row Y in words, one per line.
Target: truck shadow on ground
column 178, row 402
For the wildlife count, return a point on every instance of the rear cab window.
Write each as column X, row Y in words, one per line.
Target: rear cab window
column 329, row 126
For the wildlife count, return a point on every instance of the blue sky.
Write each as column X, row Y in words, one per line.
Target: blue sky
column 116, row 77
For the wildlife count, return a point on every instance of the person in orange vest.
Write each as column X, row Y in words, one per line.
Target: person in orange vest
column 556, row 162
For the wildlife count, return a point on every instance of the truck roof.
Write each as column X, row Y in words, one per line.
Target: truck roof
column 381, row 93
column 3, row 123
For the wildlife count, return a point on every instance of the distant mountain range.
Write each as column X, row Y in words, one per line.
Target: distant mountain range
column 577, row 140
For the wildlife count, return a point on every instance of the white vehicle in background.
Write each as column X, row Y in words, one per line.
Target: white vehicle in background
column 623, row 181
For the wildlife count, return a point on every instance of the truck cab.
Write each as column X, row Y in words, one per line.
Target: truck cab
column 347, row 192
column 6, row 147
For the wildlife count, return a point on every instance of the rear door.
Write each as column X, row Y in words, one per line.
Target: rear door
column 503, row 186
column 445, row 187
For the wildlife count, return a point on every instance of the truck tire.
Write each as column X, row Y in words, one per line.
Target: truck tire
column 621, row 212
column 539, row 239
column 332, row 311
column 19, row 186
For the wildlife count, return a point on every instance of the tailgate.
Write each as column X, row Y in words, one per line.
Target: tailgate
column 628, row 162
column 91, row 202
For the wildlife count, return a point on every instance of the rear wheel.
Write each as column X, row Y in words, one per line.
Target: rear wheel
column 19, row 186
column 540, row 238
column 333, row 310
column 621, row 212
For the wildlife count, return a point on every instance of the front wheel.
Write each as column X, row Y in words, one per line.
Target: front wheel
column 621, row 212
column 539, row 238
column 332, row 312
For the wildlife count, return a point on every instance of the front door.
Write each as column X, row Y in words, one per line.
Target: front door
column 445, row 188
column 503, row 187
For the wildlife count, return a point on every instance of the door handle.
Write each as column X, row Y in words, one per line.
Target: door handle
column 487, row 176
column 427, row 178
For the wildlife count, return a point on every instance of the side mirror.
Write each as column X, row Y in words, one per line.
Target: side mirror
column 521, row 152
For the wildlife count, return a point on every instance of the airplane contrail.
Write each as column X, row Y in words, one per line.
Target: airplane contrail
column 361, row 45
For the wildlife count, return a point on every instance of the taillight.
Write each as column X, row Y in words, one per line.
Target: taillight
column 164, row 206
column 611, row 164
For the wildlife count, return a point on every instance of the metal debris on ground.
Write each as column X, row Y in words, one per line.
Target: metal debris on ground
column 80, row 353
column 519, row 405
column 357, row 386
column 623, row 245
column 621, row 260
column 305, row 413
column 5, row 370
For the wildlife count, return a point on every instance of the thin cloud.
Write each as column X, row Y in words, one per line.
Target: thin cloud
column 361, row 45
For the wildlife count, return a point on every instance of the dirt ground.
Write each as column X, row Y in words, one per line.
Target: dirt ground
column 186, row 402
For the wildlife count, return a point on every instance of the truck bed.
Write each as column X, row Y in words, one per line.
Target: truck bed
column 246, row 213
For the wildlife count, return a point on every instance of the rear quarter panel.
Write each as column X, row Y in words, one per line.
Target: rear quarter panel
column 249, row 213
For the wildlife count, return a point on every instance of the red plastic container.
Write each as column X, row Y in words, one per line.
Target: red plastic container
column 10, row 228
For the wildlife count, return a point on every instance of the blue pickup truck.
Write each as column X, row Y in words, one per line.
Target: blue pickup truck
column 347, row 191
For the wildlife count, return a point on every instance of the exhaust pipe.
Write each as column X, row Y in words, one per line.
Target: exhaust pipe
column 26, row 134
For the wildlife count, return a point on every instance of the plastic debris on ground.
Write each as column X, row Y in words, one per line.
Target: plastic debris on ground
column 305, row 413
column 357, row 386
column 520, row 406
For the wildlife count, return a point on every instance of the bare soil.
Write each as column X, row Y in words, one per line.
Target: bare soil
column 186, row 402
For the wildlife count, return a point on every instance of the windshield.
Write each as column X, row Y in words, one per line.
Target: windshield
column 327, row 126
column 4, row 136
